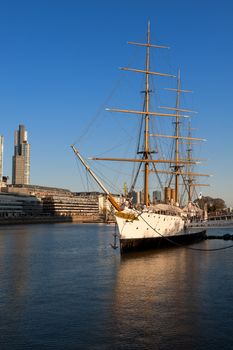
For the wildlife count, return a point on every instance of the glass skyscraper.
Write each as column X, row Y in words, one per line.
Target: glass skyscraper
column 21, row 158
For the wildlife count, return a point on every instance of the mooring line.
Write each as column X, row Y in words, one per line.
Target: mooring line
column 182, row 245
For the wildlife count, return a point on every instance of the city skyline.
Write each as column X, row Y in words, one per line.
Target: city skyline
column 60, row 62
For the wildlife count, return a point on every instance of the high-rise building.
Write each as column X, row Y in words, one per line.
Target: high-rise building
column 157, row 197
column 21, row 158
column 1, row 158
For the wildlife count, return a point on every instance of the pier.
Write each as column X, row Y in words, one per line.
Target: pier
column 226, row 237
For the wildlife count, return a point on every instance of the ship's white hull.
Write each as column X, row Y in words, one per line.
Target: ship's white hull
column 148, row 230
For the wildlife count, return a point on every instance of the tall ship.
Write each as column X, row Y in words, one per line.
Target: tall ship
column 146, row 223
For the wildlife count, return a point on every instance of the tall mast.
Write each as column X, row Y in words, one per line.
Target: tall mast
column 190, row 180
column 189, row 151
column 178, row 172
column 147, row 95
column 145, row 113
column 177, row 136
column 177, row 139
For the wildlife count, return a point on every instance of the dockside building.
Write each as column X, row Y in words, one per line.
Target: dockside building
column 16, row 205
column 63, row 202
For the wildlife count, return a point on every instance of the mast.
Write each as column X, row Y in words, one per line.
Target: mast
column 177, row 136
column 177, row 139
column 146, row 140
column 177, row 171
column 190, row 179
column 189, row 154
column 147, row 114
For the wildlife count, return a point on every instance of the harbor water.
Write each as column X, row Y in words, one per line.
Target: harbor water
column 62, row 286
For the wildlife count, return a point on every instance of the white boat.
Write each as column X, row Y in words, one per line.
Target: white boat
column 147, row 226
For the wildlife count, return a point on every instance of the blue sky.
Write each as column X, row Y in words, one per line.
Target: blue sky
column 59, row 64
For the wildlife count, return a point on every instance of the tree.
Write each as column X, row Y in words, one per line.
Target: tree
column 212, row 204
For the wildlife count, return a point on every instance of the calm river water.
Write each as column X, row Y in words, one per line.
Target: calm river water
column 63, row 287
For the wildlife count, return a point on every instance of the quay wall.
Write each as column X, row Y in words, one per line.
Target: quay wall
column 51, row 219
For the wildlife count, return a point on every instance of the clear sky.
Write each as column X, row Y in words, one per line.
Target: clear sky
column 58, row 65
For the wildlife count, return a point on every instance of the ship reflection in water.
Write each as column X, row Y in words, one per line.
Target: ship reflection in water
column 17, row 264
column 170, row 299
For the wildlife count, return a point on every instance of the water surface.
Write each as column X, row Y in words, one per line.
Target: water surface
column 63, row 287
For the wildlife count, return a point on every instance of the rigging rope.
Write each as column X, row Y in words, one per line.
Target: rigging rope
column 105, row 102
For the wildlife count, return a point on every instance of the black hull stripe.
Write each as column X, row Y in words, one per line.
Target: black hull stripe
column 141, row 244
